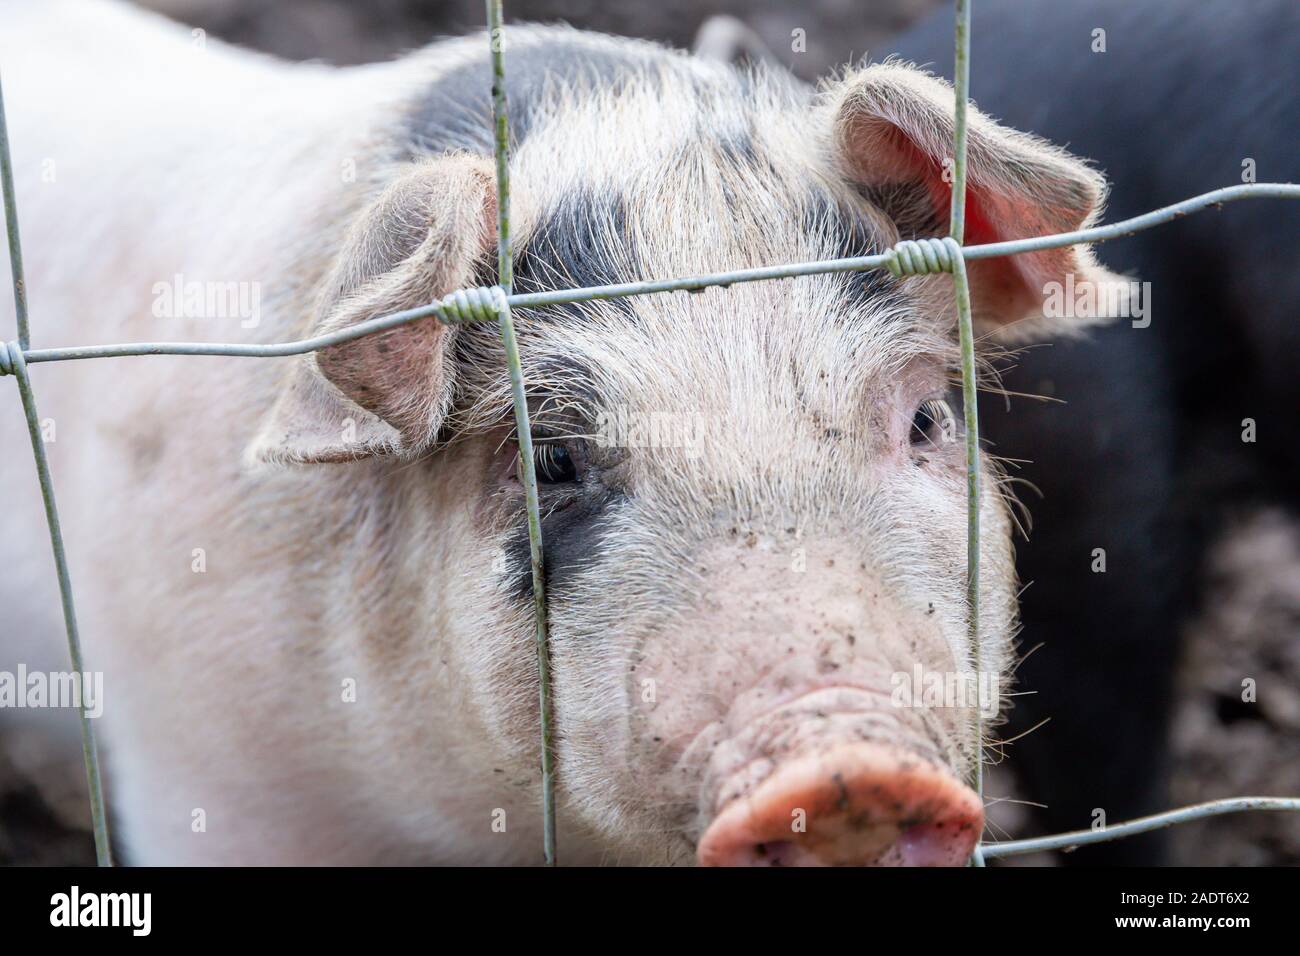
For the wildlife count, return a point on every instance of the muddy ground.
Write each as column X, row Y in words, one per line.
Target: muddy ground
column 1224, row 746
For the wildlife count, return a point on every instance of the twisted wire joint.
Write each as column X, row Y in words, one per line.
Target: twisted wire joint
column 478, row 304
column 916, row 257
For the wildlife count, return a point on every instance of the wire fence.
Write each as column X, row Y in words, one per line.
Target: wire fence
column 497, row 303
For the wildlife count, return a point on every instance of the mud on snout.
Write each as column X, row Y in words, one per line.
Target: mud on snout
column 788, row 706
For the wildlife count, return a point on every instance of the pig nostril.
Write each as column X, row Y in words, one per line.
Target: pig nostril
column 776, row 852
column 930, row 844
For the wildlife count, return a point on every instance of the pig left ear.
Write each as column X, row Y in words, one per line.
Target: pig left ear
column 386, row 394
column 893, row 134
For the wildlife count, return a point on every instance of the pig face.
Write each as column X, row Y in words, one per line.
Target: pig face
column 753, row 498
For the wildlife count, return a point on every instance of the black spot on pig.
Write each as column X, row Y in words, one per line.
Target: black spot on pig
column 853, row 235
column 574, row 539
column 582, row 241
column 737, row 147
column 455, row 110
column 910, row 206
column 572, row 406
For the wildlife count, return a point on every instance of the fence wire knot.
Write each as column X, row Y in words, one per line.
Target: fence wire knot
column 479, row 304
column 918, row 257
column 11, row 355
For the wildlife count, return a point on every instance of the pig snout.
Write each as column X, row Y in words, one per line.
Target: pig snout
column 800, row 749
column 859, row 804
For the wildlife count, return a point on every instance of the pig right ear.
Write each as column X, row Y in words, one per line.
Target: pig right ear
column 386, row 394
column 893, row 133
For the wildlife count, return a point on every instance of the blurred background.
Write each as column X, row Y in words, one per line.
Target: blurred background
column 1251, row 609
column 359, row 31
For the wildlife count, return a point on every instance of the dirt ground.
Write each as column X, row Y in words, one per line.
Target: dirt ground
column 1224, row 746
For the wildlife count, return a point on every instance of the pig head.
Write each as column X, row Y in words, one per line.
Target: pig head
column 753, row 499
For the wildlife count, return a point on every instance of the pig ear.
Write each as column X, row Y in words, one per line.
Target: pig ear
column 386, row 394
column 893, row 132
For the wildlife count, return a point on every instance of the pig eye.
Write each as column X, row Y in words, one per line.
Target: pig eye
column 933, row 422
column 554, row 464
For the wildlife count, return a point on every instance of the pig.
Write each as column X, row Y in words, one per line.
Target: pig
column 306, row 580
column 1139, row 448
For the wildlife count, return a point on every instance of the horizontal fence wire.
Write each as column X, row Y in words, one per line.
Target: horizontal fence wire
column 448, row 311
column 497, row 303
column 1157, row 821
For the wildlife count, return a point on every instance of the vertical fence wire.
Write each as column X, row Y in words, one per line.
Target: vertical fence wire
column 15, row 361
column 527, row 464
column 966, row 339
column 11, row 229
